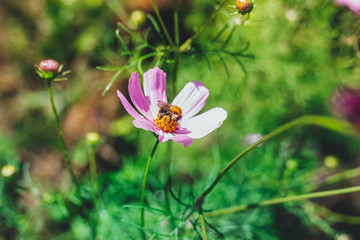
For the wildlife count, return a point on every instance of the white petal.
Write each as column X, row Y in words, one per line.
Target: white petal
column 203, row 124
column 191, row 99
column 155, row 88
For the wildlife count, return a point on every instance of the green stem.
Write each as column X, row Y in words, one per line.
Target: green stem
column 142, row 213
column 325, row 122
column 329, row 180
column 347, row 174
column 184, row 46
column 176, row 23
column 167, row 168
column 324, row 212
column 162, row 24
column 203, row 228
column 176, row 52
column 174, row 76
column 94, row 178
column 284, row 200
column 61, row 138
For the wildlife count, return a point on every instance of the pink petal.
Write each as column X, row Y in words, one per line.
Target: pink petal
column 164, row 136
column 137, row 96
column 203, row 124
column 353, row 5
column 155, row 88
column 128, row 107
column 191, row 99
column 181, row 131
column 182, row 139
column 144, row 124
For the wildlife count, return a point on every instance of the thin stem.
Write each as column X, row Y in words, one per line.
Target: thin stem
column 284, row 200
column 176, row 23
column 162, row 24
column 334, row 216
column 203, row 228
column 167, row 187
column 174, row 76
column 325, row 122
column 94, row 178
column 61, row 138
column 176, row 52
column 95, row 197
column 329, row 180
column 142, row 211
column 184, row 46
column 347, row 174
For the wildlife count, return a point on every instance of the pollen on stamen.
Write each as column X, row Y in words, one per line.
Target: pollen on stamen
column 166, row 123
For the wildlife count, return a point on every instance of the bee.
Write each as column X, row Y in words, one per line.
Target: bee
column 174, row 113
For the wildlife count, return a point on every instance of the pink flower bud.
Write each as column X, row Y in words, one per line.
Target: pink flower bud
column 244, row 6
column 49, row 65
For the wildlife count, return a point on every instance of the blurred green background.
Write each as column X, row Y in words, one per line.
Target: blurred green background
column 294, row 56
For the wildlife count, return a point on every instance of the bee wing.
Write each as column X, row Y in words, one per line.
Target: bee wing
column 162, row 104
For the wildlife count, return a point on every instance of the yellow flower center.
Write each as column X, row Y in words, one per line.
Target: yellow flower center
column 168, row 117
column 166, row 123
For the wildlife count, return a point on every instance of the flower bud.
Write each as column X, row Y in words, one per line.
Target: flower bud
column 291, row 164
column 137, row 18
column 49, row 65
column 92, row 139
column 343, row 236
column 49, row 69
column 331, row 162
column 8, row 170
column 244, row 6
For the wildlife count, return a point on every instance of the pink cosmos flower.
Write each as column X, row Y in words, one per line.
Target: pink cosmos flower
column 353, row 5
column 175, row 121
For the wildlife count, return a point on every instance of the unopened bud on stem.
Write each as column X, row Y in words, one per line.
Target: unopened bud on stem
column 50, row 69
column 92, row 139
column 244, row 6
column 49, row 65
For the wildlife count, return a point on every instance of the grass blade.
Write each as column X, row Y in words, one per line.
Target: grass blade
column 131, row 33
column 141, row 59
column 161, row 60
column 115, row 77
column 208, row 63
column 222, row 30
column 156, row 26
column 224, row 64
column 241, row 64
column 229, row 37
column 121, row 40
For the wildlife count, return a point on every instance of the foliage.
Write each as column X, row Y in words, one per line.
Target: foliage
column 282, row 61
